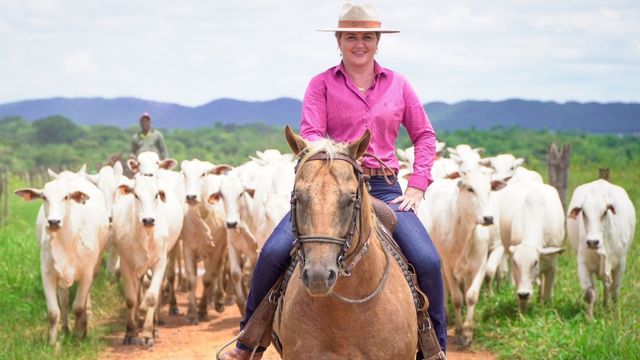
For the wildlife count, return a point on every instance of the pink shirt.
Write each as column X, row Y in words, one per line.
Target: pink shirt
column 333, row 107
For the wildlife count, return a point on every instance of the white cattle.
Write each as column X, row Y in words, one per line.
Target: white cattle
column 203, row 235
column 255, row 197
column 107, row 180
column 451, row 212
column 468, row 158
column 147, row 223
column 72, row 228
column 503, row 165
column 600, row 223
column 532, row 229
column 148, row 163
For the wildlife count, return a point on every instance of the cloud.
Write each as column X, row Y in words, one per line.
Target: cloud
column 80, row 62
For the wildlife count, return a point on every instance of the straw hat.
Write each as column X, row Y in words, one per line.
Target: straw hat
column 359, row 18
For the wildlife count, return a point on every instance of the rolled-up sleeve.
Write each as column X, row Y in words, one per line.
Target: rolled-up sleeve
column 313, row 125
column 423, row 137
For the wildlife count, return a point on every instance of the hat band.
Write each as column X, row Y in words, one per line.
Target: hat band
column 365, row 24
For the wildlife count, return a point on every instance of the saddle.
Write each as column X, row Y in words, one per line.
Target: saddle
column 384, row 213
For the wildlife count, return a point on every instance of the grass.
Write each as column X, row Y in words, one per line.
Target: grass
column 560, row 329
column 23, row 310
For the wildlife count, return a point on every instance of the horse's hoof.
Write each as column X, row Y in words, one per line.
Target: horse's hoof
column 219, row 307
column 129, row 340
column 173, row 311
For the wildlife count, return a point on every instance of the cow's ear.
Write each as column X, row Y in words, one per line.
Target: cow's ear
column 295, row 141
column 479, row 150
column 79, row 197
column 250, row 191
column 518, row 162
column 117, row 169
column 29, row 194
column 612, row 208
column 497, row 185
column 359, row 147
column 551, row 250
column 453, row 175
column 133, row 165
column 162, row 195
column 52, row 174
column 83, row 169
column 125, row 189
column 92, row 178
column 168, row 164
column 486, row 162
column 575, row 212
column 221, row 169
column 214, row 198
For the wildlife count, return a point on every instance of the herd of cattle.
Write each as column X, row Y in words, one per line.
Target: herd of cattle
column 488, row 217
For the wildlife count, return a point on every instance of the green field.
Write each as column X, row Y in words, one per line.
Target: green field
column 558, row 330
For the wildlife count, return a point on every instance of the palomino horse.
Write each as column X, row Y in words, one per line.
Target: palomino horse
column 341, row 258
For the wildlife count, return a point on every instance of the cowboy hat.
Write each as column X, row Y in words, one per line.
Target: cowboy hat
column 359, row 18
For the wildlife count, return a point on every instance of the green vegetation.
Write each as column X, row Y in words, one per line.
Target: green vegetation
column 556, row 330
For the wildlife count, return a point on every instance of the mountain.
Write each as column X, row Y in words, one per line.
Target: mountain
column 124, row 112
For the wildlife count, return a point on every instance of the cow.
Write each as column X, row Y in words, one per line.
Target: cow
column 532, row 231
column 72, row 228
column 107, row 180
column 147, row 222
column 454, row 212
column 203, row 234
column 601, row 222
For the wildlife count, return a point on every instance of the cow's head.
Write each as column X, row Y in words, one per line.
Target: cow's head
column 232, row 193
column 595, row 211
column 57, row 195
column 148, row 195
column 473, row 201
column 194, row 173
column 148, row 163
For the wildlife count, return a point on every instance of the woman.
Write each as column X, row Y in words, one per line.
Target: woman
column 340, row 103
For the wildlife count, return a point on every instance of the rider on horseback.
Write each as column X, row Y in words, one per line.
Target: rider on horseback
column 341, row 103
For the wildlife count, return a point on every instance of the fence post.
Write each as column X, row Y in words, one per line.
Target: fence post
column 604, row 173
column 558, row 168
column 4, row 195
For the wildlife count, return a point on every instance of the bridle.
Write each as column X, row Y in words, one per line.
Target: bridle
column 345, row 268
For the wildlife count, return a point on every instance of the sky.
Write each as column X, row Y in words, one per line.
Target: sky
column 191, row 52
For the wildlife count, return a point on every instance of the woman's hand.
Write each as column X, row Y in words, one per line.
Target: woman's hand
column 410, row 200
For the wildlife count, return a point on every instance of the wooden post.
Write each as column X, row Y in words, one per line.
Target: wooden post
column 558, row 167
column 4, row 195
column 604, row 173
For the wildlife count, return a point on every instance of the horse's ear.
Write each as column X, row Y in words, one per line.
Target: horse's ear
column 296, row 142
column 358, row 147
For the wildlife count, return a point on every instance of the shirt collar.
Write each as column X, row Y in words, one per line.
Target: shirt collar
column 379, row 70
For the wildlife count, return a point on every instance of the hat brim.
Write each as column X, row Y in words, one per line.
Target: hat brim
column 379, row 30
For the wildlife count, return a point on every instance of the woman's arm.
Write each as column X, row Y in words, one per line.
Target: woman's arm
column 313, row 125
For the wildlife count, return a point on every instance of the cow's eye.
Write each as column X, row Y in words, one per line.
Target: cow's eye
column 471, row 190
column 203, row 174
column 66, row 197
column 535, row 263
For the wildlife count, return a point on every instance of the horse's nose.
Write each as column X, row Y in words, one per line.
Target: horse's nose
column 232, row 224
column 319, row 282
column 523, row 295
column 488, row 220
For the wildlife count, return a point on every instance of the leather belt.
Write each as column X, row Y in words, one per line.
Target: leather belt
column 377, row 171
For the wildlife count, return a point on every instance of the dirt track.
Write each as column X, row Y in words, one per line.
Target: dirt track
column 179, row 340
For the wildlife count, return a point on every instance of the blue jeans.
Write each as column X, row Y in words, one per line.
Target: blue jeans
column 410, row 235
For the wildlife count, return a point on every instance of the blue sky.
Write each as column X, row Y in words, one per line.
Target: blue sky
column 191, row 52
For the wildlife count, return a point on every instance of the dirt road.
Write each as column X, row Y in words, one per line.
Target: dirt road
column 179, row 340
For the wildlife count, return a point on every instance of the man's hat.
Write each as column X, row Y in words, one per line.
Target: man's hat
column 359, row 18
column 145, row 115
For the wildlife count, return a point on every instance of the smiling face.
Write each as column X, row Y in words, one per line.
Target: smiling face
column 358, row 49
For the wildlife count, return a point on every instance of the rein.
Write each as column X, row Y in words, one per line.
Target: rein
column 345, row 269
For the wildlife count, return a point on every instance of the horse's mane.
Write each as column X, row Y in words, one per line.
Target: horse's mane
column 328, row 146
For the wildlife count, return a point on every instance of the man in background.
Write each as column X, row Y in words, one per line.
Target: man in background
column 148, row 139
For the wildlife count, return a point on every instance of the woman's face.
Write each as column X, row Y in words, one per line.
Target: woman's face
column 358, row 49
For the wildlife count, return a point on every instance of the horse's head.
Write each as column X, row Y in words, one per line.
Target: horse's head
column 326, row 205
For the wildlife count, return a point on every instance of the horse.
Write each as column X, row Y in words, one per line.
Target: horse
column 348, row 299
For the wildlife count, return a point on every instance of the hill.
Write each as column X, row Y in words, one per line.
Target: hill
column 124, row 112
